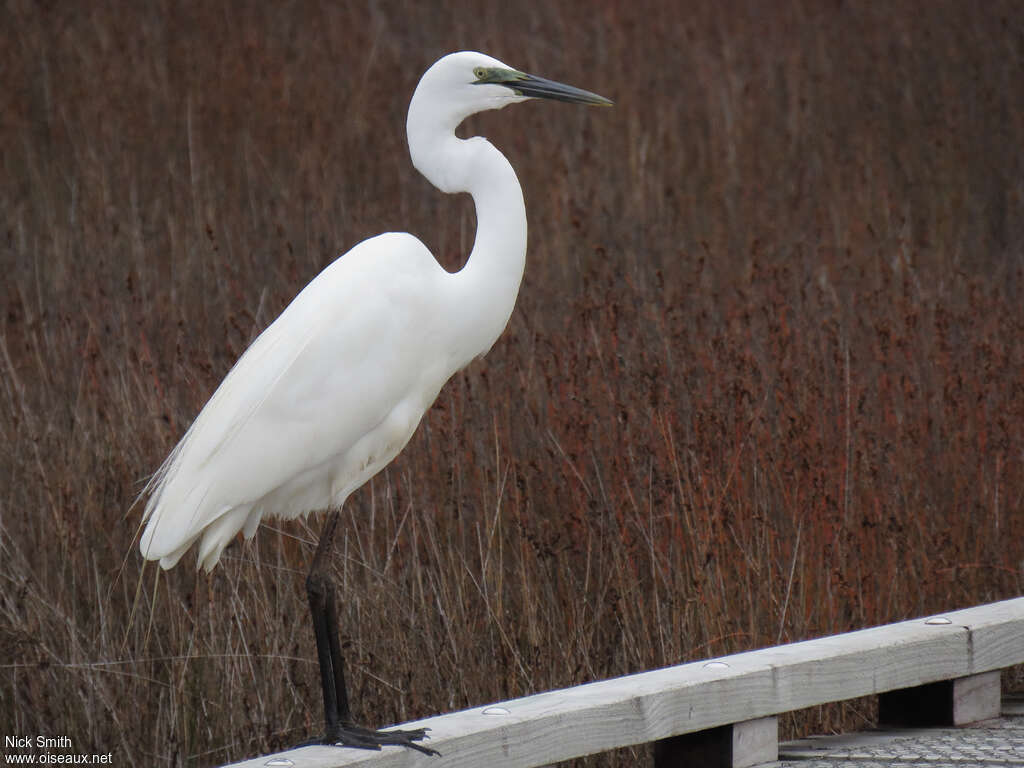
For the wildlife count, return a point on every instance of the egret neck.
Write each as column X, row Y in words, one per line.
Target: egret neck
column 485, row 289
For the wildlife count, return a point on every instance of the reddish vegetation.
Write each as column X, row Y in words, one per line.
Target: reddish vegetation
column 765, row 380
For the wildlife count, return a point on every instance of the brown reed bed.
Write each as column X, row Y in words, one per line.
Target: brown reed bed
column 765, row 380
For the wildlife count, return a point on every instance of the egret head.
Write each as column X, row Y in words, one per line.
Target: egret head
column 457, row 86
column 461, row 84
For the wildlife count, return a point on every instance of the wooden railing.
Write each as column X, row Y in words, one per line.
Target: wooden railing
column 941, row 669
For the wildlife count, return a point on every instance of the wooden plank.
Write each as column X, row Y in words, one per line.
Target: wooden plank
column 755, row 742
column 650, row 706
column 977, row 697
column 997, row 633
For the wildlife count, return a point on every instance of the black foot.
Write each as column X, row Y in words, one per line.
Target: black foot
column 364, row 738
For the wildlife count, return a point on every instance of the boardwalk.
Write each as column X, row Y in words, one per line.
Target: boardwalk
column 937, row 670
column 991, row 744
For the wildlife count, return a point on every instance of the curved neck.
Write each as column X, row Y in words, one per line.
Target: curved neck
column 487, row 286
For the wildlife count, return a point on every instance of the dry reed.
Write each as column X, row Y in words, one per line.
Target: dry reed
column 765, row 380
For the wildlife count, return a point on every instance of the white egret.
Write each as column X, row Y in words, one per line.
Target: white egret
column 334, row 388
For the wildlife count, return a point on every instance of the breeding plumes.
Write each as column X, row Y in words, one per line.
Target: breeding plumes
column 334, row 388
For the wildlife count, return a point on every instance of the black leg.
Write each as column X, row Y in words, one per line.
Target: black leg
column 337, row 660
column 318, row 610
column 341, row 729
column 325, row 622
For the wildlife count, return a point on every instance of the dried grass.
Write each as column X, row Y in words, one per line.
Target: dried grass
column 765, row 380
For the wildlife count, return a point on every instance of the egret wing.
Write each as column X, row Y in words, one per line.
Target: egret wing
column 334, row 364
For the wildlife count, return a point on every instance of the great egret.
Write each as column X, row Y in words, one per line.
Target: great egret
column 334, row 388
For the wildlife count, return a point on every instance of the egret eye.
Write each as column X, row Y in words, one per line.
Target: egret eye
column 479, row 73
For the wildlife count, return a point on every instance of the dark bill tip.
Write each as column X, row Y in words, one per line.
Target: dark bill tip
column 542, row 88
